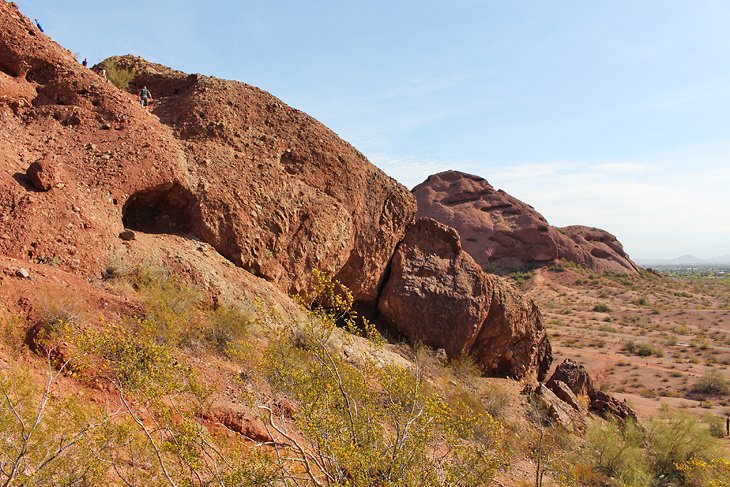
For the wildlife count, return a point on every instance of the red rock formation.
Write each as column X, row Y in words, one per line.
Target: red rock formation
column 503, row 234
column 270, row 188
column 575, row 378
column 436, row 293
column 281, row 194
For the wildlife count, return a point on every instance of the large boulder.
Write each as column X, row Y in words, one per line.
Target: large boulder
column 504, row 234
column 554, row 409
column 571, row 377
column 277, row 192
column 271, row 189
column 610, row 407
column 437, row 294
column 574, row 376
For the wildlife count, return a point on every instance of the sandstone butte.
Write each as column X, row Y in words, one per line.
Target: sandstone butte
column 504, row 234
column 238, row 193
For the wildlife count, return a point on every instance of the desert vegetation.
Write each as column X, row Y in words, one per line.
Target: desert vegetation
column 90, row 402
column 658, row 341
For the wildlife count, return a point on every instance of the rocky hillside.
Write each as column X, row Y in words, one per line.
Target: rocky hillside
column 148, row 332
column 90, row 177
column 504, row 234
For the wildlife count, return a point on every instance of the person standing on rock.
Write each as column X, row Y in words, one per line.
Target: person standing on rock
column 145, row 97
column 38, row 24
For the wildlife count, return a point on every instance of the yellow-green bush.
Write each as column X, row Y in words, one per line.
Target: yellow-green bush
column 45, row 439
column 379, row 425
column 117, row 75
column 332, row 302
column 701, row 473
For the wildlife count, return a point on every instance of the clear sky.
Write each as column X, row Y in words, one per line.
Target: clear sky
column 613, row 114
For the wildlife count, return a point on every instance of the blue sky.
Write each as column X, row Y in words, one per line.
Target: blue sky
column 610, row 114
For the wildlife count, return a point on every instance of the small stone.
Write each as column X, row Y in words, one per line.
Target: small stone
column 127, row 235
column 23, row 273
column 43, row 174
column 106, row 126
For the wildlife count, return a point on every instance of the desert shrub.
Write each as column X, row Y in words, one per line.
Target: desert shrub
column 642, row 349
column 641, row 301
column 497, row 399
column 601, row 308
column 132, row 357
column 521, row 277
column 118, row 76
column 46, row 439
column 332, row 303
column 615, row 453
column 608, row 329
column 712, row 382
column 701, row 473
column 715, row 425
column 675, row 438
column 159, row 437
column 378, row 424
column 171, row 306
column 465, row 369
column 228, row 327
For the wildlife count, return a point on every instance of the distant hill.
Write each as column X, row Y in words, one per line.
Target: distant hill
column 686, row 260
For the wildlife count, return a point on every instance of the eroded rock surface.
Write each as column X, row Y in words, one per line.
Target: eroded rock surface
column 574, row 377
column 504, row 234
column 270, row 188
column 436, row 293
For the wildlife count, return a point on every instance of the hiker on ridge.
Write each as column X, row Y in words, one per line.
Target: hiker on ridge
column 38, row 24
column 145, row 96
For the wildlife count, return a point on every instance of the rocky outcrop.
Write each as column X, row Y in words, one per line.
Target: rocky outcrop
column 437, row 294
column 555, row 410
column 571, row 377
column 574, row 376
column 504, row 234
column 609, row 406
column 276, row 191
column 270, row 188
column 562, row 391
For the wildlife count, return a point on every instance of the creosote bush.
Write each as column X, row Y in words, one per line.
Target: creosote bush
column 642, row 349
column 117, row 75
column 670, row 449
column 332, row 303
column 376, row 424
column 712, row 382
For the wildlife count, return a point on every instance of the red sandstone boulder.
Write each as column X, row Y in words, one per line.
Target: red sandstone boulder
column 555, row 408
column 43, row 174
column 436, row 293
column 503, row 234
column 270, row 188
column 574, row 376
column 563, row 392
column 276, row 191
column 609, row 406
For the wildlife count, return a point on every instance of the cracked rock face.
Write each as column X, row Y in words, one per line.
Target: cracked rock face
column 437, row 294
column 271, row 189
column 504, row 234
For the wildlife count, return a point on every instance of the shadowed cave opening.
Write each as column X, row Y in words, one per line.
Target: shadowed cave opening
column 164, row 209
